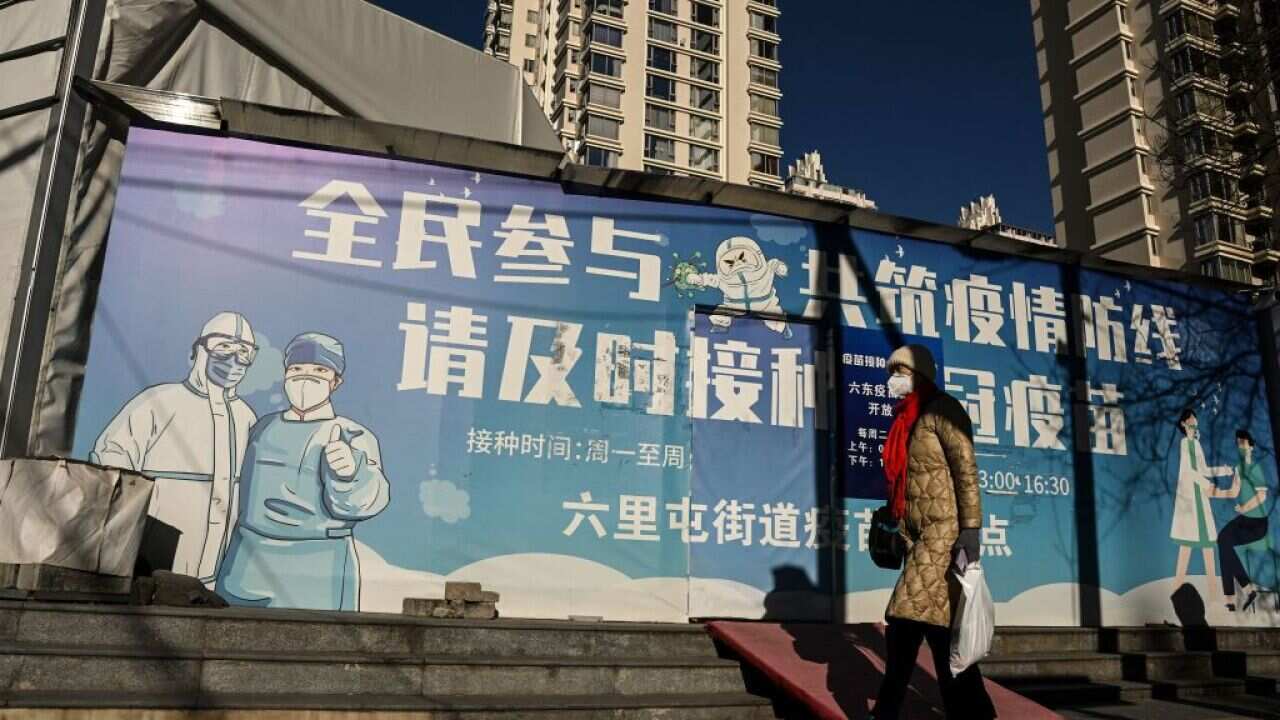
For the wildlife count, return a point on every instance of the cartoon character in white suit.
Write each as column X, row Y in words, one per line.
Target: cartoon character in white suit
column 745, row 276
column 1193, row 525
column 190, row 436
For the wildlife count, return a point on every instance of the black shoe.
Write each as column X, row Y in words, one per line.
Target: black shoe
column 1253, row 595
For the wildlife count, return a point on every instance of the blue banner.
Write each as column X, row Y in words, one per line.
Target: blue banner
column 355, row 378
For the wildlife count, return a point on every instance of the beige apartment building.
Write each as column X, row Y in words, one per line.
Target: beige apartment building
column 1148, row 113
column 666, row 86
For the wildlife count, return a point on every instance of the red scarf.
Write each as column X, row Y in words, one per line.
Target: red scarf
column 895, row 448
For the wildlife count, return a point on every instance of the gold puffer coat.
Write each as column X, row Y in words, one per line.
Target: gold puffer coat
column 942, row 498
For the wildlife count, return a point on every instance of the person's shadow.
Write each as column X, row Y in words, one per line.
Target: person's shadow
column 852, row 678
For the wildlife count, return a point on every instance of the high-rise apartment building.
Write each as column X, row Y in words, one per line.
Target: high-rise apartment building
column 1159, row 132
column 666, row 86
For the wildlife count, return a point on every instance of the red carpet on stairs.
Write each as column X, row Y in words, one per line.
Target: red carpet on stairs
column 836, row 670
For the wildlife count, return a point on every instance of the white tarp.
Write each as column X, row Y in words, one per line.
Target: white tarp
column 72, row 515
column 342, row 57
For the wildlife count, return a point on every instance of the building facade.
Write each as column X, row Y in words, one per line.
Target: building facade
column 807, row 177
column 667, row 86
column 1158, row 132
column 984, row 214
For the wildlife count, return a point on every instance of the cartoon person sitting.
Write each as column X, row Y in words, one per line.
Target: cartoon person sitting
column 1248, row 526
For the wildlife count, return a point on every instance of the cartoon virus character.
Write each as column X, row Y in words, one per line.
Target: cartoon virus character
column 745, row 277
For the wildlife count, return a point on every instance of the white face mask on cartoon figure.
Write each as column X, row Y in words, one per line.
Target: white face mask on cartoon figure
column 900, row 386
column 306, row 391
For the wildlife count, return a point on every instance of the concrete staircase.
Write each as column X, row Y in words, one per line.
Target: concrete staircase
column 1070, row 667
column 170, row 659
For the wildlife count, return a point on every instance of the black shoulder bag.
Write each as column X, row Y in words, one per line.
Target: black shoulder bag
column 887, row 547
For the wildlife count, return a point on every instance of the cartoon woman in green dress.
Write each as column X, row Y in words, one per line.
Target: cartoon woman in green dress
column 1193, row 524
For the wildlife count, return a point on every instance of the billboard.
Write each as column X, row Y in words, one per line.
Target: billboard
column 356, row 378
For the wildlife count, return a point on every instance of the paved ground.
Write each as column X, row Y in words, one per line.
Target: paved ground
column 1229, row 708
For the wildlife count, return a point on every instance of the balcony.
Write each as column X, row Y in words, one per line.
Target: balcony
column 1251, row 177
column 1240, row 89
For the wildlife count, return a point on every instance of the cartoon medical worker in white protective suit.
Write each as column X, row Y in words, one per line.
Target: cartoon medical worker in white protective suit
column 190, row 437
column 1193, row 525
column 309, row 477
column 745, row 276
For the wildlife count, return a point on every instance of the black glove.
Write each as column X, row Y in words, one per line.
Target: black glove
column 969, row 540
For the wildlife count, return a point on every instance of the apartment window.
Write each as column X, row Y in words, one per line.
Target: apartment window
column 531, row 40
column 604, row 95
column 765, row 134
column 1133, row 88
column 573, row 85
column 504, row 20
column 1142, row 167
column 1227, row 269
column 1215, row 227
column 659, row 148
column 704, row 128
column 661, row 58
column 705, row 14
column 1209, row 184
column 706, row 70
column 605, row 65
column 659, row 87
column 764, row 49
column 704, row 99
column 767, row 23
column 603, row 127
column 606, row 34
column 663, row 6
column 764, row 105
column 608, row 7
column 663, row 31
column 660, row 118
column 762, row 163
column 573, row 57
column 1138, row 131
column 764, row 76
column 707, row 42
column 532, row 16
column 1124, row 16
column 702, row 158
column 1185, row 103
column 656, row 170
column 528, row 65
column 1128, row 49
column 504, row 43
column 600, row 157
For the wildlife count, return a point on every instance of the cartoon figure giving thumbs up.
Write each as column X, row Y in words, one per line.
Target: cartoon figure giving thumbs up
column 309, row 476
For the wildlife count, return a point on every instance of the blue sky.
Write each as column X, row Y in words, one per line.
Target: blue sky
column 923, row 105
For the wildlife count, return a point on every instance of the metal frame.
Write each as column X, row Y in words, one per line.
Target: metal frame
column 23, row 354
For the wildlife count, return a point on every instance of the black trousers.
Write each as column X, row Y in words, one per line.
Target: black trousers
column 963, row 697
column 1241, row 530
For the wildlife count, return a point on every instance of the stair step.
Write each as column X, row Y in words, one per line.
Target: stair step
column 1240, row 663
column 1077, row 693
column 1171, row 666
column 294, row 631
column 1247, row 639
column 710, row 706
column 1268, row 685
column 329, row 675
column 1013, row 640
column 1146, row 639
column 1091, row 666
column 1197, row 688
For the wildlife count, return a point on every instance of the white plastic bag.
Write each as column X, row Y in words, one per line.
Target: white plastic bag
column 974, row 621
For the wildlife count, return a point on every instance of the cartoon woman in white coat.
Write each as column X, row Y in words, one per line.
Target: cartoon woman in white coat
column 1193, row 525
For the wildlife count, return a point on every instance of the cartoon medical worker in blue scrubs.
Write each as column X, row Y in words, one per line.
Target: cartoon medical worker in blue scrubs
column 309, row 476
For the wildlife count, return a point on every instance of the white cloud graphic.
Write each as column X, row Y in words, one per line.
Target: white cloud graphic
column 267, row 370
column 442, row 499
column 778, row 230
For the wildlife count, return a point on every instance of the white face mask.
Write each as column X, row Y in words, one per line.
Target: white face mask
column 306, row 392
column 900, row 386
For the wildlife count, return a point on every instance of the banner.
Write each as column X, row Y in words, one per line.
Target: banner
column 354, row 378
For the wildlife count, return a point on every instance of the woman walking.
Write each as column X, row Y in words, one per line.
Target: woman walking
column 933, row 493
